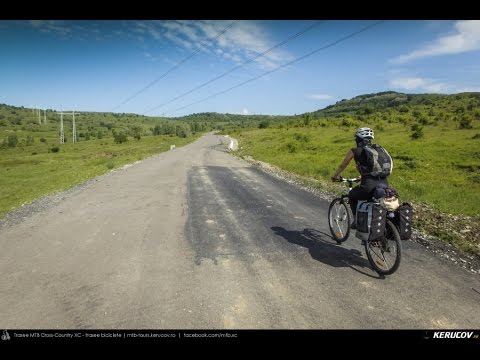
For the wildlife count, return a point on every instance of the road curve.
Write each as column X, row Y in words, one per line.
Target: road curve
column 195, row 238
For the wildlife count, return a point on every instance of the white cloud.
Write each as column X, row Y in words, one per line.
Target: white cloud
column 51, row 26
column 320, row 96
column 242, row 41
column 243, row 112
column 466, row 37
column 421, row 84
column 429, row 85
column 148, row 28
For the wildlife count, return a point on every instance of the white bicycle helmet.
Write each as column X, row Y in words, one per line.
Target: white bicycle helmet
column 365, row 133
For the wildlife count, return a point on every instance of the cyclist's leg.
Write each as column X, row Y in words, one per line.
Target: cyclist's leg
column 359, row 192
column 364, row 191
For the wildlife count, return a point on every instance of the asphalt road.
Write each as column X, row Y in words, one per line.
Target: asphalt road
column 195, row 238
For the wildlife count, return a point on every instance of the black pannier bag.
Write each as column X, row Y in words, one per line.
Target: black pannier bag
column 370, row 221
column 377, row 226
column 404, row 220
column 363, row 220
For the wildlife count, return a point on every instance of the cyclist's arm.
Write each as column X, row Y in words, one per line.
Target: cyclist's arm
column 343, row 165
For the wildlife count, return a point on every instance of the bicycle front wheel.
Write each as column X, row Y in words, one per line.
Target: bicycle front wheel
column 384, row 255
column 339, row 220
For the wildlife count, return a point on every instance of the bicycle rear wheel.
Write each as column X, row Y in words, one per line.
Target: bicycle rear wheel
column 339, row 220
column 384, row 255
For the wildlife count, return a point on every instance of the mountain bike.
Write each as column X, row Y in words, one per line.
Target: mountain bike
column 383, row 254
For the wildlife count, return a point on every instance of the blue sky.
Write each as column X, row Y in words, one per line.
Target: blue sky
column 122, row 65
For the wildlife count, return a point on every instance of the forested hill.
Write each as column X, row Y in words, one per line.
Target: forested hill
column 403, row 103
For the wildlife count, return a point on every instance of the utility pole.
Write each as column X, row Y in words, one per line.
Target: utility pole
column 62, row 134
column 74, row 128
column 39, row 117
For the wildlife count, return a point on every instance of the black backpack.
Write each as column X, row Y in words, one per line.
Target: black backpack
column 376, row 161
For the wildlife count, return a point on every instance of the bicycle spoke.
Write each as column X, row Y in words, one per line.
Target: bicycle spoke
column 383, row 257
column 385, row 260
column 337, row 219
column 372, row 250
column 340, row 232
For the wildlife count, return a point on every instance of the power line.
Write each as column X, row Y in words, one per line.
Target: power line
column 286, row 64
column 317, row 23
column 176, row 66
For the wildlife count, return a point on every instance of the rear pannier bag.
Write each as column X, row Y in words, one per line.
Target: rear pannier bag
column 377, row 226
column 405, row 219
column 363, row 219
column 370, row 221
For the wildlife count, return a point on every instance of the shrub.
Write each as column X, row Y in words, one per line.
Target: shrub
column 30, row 140
column 423, row 120
column 465, row 123
column 136, row 132
column 263, row 124
column 12, row 140
column 301, row 137
column 367, row 110
column 291, row 147
column 119, row 137
column 417, row 132
column 182, row 131
column 55, row 149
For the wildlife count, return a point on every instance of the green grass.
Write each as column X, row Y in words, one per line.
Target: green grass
column 441, row 169
column 25, row 177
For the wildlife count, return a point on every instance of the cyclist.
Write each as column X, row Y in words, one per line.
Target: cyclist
column 363, row 136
